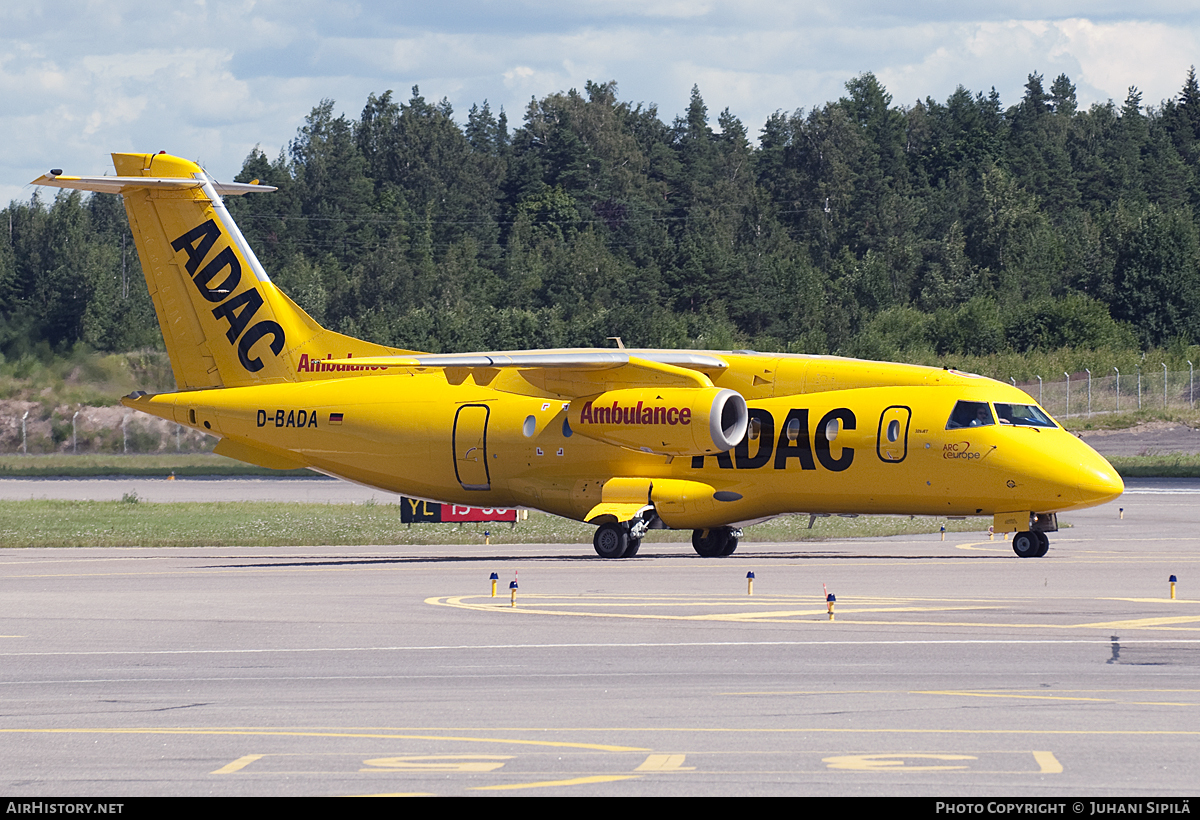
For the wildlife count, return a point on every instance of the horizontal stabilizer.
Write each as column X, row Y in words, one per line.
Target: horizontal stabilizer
column 119, row 185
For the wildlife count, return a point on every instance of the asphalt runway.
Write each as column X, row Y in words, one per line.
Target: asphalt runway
column 951, row 668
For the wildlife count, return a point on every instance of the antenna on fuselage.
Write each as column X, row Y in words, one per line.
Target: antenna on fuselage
column 617, row 339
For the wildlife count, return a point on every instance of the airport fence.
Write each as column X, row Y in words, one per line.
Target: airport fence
column 1086, row 393
column 30, row 428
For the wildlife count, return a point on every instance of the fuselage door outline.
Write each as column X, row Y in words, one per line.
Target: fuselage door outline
column 891, row 441
column 470, row 447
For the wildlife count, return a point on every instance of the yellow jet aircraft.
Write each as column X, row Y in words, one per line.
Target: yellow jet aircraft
column 624, row 439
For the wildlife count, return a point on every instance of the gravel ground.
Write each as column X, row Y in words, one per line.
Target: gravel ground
column 1152, row 438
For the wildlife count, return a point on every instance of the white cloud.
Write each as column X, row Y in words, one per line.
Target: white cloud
column 209, row 79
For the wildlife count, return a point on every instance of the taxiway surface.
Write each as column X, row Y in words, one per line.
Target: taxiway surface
column 951, row 669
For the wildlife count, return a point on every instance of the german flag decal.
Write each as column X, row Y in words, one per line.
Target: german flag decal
column 335, row 418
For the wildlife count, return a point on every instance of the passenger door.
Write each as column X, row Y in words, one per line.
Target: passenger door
column 470, row 447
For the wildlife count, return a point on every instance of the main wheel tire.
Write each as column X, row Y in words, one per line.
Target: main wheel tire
column 634, row 545
column 1026, row 545
column 710, row 543
column 1043, row 543
column 611, row 540
column 731, row 544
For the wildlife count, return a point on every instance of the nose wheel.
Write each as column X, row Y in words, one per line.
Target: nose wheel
column 1031, row 544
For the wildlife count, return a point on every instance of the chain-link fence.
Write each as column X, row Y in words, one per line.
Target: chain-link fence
column 1081, row 394
column 30, row 428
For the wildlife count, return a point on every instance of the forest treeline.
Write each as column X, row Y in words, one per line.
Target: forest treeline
column 860, row 227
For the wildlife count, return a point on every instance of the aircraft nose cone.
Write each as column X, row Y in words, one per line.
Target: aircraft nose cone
column 1099, row 482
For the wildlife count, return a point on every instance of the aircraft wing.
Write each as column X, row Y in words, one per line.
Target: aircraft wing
column 571, row 373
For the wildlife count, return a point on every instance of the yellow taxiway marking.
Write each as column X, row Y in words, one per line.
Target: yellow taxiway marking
column 1048, row 697
column 892, row 762
column 574, row 781
column 1143, row 623
column 377, row 735
column 439, row 763
column 1048, row 762
column 860, row 612
column 664, row 763
column 237, row 765
column 898, row 762
column 489, row 604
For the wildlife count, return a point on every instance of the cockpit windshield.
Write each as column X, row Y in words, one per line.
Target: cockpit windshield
column 970, row 414
column 1028, row 415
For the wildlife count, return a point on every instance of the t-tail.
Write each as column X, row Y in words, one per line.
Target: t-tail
column 224, row 323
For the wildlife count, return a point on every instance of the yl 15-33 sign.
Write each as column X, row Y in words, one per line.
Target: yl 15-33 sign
column 414, row 510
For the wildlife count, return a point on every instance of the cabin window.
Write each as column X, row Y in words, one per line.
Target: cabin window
column 831, row 430
column 793, row 430
column 893, row 430
column 1025, row 415
column 970, row 414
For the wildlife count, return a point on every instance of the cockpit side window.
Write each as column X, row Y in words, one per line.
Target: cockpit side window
column 1028, row 415
column 970, row 414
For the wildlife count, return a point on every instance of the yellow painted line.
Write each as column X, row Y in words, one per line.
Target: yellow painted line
column 398, row 794
column 442, row 763
column 575, row 781
column 1153, row 600
column 986, row 546
column 1048, row 763
column 1049, row 697
column 861, row 612
column 893, row 762
column 609, row 730
column 1143, row 623
column 664, row 763
column 1002, row 695
column 495, row 605
column 239, row 764
column 380, row 735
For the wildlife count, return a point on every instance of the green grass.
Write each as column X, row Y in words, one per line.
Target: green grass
column 97, row 464
column 260, row 524
column 1123, row 421
column 1172, row 465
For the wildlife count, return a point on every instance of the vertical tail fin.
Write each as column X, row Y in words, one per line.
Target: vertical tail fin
column 224, row 322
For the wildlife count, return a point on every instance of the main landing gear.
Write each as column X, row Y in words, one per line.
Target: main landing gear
column 1032, row 544
column 716, row 542
column 619, row 540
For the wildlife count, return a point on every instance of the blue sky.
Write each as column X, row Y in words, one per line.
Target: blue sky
column 210, row 80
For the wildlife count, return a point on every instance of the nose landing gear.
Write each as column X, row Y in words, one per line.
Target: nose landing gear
column 1032, row 544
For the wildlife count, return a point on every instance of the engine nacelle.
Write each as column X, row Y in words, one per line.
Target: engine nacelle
column 673, row 421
